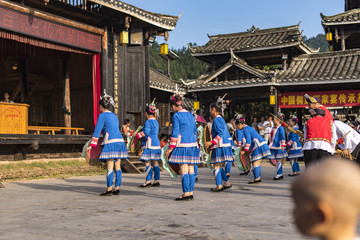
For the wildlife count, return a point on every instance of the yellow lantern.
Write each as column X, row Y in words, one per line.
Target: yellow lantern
column 164, row 49
column 124, row 37
column 196, row 105
column 329, row 37
column 272, row 99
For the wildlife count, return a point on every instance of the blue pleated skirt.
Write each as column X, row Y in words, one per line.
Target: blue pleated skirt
column 295, row 154
column 151, row 155
column 222, row 154
column 114, row 151
column 278, row 154
column 185, row 155
column 260, row 153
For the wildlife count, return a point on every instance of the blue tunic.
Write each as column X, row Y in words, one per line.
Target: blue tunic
column 256, row 144
column 277, row 142
column 294, row 145
column 114, row 144
column 183, row 139
column 222, row 147
column 240, row 138
column 150, row 141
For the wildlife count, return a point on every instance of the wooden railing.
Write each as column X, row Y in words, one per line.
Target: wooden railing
column 52, row 130
column 76, row 3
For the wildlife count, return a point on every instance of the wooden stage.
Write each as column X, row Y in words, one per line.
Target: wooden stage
column 26, row 139
column 15, row 147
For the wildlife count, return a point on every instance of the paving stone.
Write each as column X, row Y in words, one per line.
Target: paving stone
column 72, row 209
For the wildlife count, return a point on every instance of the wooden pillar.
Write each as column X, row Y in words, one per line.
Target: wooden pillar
column 67, row 117
column 273, row 90
column 168, row 65
column 284, row 63
column 342, row 40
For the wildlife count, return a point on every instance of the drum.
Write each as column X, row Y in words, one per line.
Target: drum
column 92, row 156
column 273, row 162
column 206, row 138
column 173, row 169
column 134, row 143
column 240, row 160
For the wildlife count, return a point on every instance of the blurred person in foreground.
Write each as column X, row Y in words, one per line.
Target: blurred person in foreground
column 327, row 202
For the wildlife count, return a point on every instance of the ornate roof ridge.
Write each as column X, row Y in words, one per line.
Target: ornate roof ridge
column 349, row 52
column 337, row 16
column 167, row 22
column 256, row 31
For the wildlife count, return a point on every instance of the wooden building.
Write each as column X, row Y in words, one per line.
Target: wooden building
column 237, row 64
column 58, row 56
column 251, row 66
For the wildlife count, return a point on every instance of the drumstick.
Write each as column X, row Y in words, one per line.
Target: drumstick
column 342, row 138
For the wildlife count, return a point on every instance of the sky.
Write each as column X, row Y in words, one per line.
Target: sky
column 202, row 17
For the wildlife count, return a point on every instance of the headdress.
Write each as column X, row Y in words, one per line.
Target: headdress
column 310, row 99
column 110, row 98
column 221, row 103
column 317, row 111
column 240, row 117
column 176, row 92
column 152, row 107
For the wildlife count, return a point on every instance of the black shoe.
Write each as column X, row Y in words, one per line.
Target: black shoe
column 225, row 187
column 278, row 178
column 182, row 198
column 116, row 192
column 228, row 175
column 157, row 184
column 217, row 189
column 145, row 185
column 244, row 173
column 293, row 174
column 255, row 181
column 107, row 193
column 196, row 179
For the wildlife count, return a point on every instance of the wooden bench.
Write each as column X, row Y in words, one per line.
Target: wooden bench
column 52, row 130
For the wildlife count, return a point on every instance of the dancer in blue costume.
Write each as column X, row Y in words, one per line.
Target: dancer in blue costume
column 295, row 148
column 256, row 146
column 114, row 146
column 151, row 146
column 277, row 147
column 183, row 146
column 241, row 141
column 221, row 147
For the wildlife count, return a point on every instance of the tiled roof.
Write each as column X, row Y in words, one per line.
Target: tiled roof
column 253, row 40
column 162, row 82
column 234, row 61
column 243, row 83
column 322, row 68
column 348, row 17
column 307, row 69
column 164, row 21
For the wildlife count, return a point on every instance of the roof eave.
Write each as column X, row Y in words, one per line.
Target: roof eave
column 138, row 15
column 247, row 50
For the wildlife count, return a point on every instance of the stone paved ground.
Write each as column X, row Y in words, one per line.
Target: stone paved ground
column 71, row 209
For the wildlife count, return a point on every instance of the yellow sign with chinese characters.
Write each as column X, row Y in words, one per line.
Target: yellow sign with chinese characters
column 328, row 98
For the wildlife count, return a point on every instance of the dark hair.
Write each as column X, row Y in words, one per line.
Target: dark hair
column 295, row 120
column 176, row 100
column 150, row 110
column 126, row 121
column 216, row 105
column 105, row 102
column 238, row 121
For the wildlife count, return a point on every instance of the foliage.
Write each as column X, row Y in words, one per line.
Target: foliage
column 187, row 67
column 317, row 42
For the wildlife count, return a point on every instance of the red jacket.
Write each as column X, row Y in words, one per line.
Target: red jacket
column 327, row 112
column 318, row 128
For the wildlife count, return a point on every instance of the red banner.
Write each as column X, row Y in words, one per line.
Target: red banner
column 40, row 28
column 328, row 98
